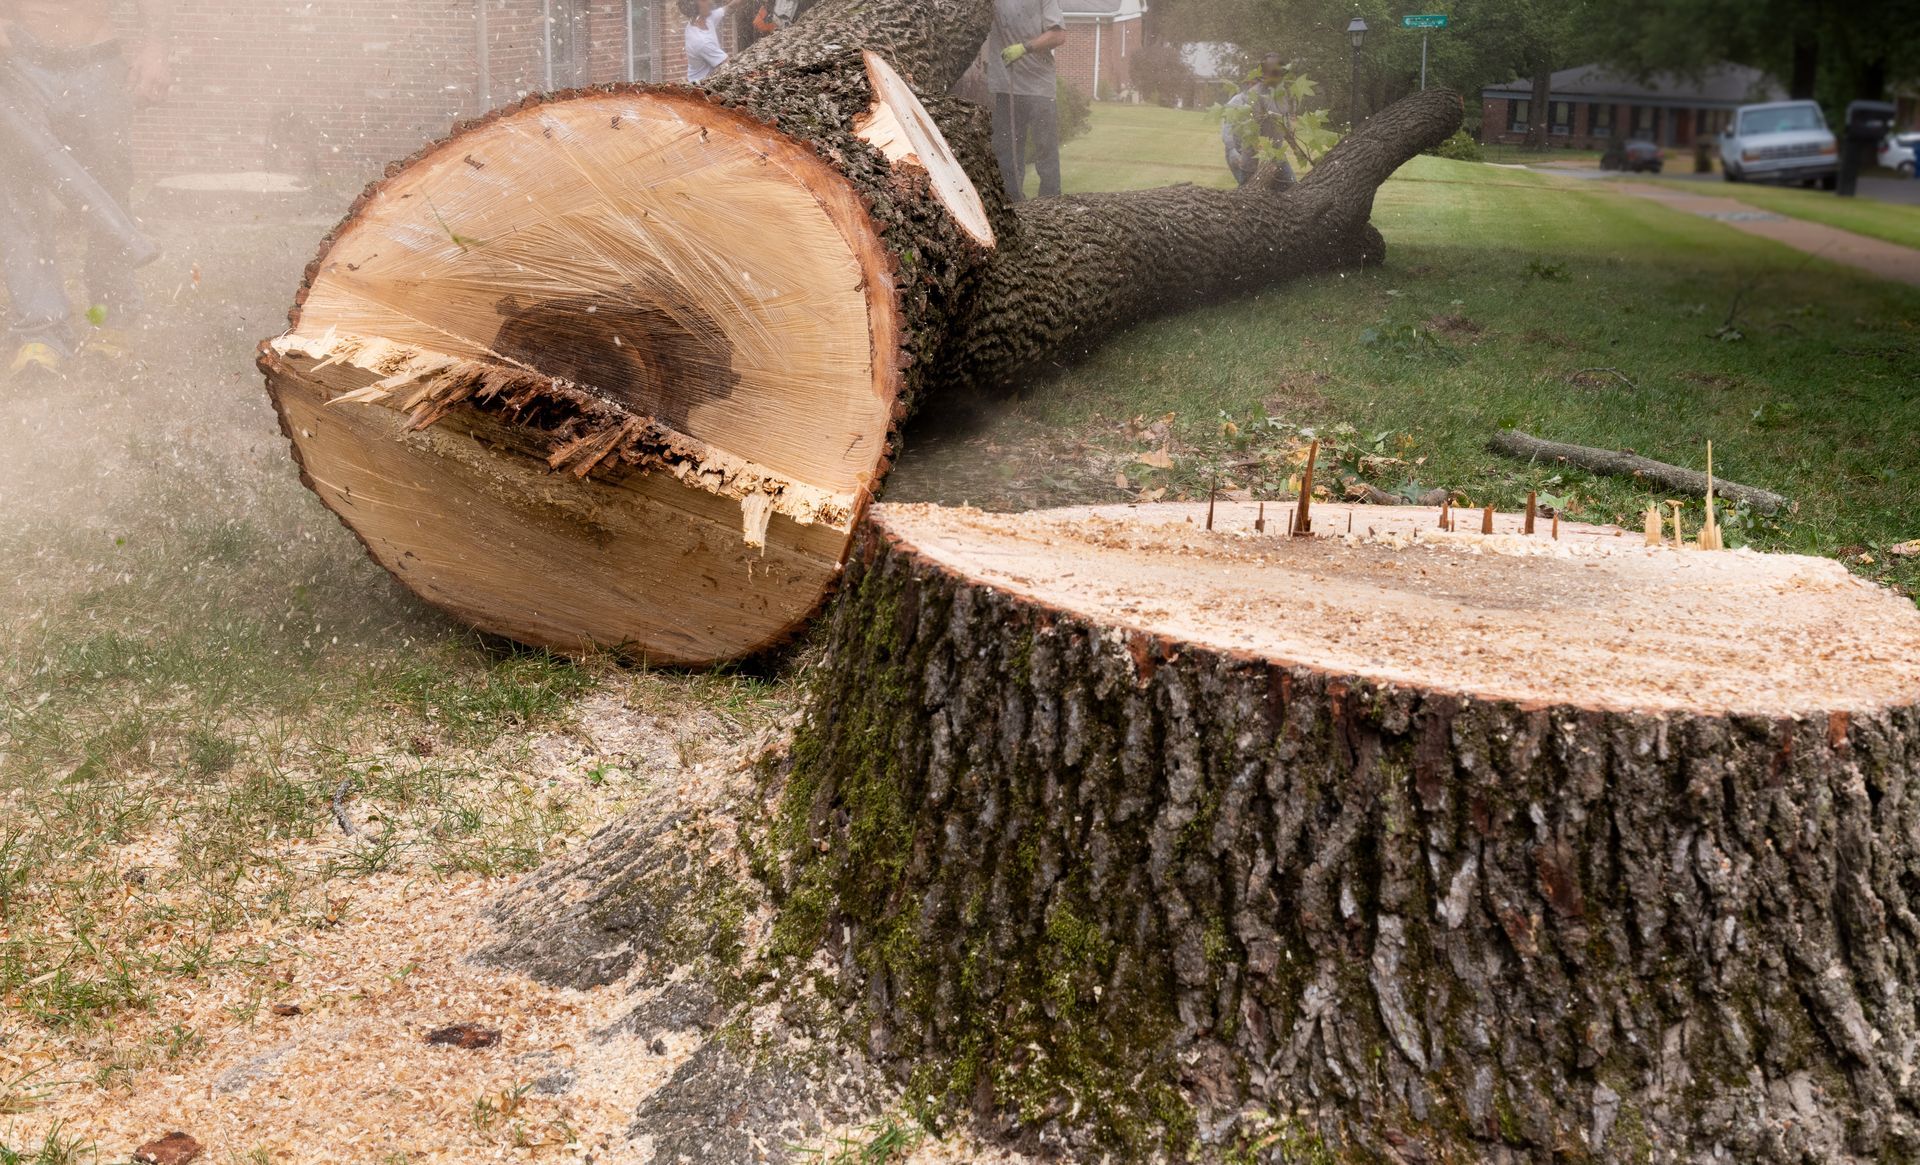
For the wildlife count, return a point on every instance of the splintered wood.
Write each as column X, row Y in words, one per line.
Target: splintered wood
column 718, row 393
column 899, row 127
column 1595, row 618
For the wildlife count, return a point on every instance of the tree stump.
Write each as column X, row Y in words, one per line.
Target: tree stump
column 1393, row 845
column 620, row 368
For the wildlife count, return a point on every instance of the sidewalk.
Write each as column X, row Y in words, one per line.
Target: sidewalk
column 1886, row 260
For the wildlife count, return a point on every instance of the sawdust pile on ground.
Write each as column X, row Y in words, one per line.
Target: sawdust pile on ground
column 351, row 1077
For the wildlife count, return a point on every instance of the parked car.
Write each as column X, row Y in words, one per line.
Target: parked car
column 1635, row 155
column 1643, row 155
column 1897, row 151
column 1780, row 141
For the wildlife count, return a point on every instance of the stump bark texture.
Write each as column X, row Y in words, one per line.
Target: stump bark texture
column 620, row 368
column 1193, row 892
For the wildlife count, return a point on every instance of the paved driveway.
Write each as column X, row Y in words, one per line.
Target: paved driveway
column 1903, row 191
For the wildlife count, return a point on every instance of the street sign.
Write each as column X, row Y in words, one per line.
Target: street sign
column 1423, row 23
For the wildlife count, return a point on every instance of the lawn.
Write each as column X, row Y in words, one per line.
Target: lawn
column 1132, row 147
column 1508, row 299
column 1865, row 216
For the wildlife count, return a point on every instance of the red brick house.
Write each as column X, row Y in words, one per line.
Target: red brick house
column 1589, row 107
column 1103, row 37
column 340, row 87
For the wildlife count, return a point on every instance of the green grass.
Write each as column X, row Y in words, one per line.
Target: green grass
column 1132, row 147
column 1135, row 147
column 1864, row 216
column 1499, row 289
column 1523, row 156
column 54, row 1148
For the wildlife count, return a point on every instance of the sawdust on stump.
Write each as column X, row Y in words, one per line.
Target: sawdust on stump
column 1595, row 618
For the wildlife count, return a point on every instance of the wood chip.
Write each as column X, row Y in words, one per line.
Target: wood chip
column 464, row 1035
column 173, row 1149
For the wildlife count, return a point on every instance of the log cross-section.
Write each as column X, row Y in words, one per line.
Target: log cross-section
column 619, row 368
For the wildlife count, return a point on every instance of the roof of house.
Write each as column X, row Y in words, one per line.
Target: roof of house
column 1102, row 9
column 1727, row 84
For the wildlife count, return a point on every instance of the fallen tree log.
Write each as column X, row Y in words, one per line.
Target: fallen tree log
column 621, row 368
column 1398, row 846
column 1524, row 447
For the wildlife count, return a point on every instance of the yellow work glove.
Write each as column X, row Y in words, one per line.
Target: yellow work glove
column 1012, row 53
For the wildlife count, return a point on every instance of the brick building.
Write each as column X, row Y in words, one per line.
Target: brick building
column 340, row 87
column 1103, row 37
column 1589, row 107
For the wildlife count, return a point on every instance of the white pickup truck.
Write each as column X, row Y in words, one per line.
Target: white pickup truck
column 1781, row 141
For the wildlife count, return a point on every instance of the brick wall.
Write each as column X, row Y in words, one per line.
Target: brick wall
column 1493, row 119
column 1673, row 126
column 293, row 85
column 1118, row 42
column 340, row 87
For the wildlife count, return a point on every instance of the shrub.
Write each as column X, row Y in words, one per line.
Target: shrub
column 1460, row 147
column 1076, row 112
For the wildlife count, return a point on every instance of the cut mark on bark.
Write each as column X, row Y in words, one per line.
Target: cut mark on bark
column 900, row 128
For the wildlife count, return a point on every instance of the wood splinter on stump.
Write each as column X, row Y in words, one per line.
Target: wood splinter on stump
column 620, row 368
column 1303, row 517
column 1463, row 889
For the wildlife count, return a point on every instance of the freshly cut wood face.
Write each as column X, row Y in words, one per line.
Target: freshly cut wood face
column 710, row 277
column 900, row 127
column 1596, row 619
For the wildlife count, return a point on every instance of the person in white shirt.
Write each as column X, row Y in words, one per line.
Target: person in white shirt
column 704, row 54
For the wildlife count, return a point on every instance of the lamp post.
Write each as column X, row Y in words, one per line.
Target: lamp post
column 1356, row 33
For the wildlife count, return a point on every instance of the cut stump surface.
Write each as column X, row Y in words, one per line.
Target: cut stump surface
column 1595, row 619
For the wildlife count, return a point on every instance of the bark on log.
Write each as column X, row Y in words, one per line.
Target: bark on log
column 1524, row 447
column 1094, row 855
column 710, row 308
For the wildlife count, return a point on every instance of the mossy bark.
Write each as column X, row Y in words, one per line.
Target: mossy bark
column 1087, row 878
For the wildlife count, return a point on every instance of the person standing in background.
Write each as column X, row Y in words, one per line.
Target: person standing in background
column 64, row 69
column 1020, row 75
column 704, row 54
column 1271, row 113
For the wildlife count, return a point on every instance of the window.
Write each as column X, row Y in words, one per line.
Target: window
column 1517, row 115
column 1562, row 113
column 567, row 62
column 1643, row 119
column 1600, row 120
column 1782, row 119
column 640, row 57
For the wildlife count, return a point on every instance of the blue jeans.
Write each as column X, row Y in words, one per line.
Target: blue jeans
column 82, row 98
column 1018, row 121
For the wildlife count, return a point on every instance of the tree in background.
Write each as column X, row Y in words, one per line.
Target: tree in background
column 1162, row 75
column 1832, row 50
column 1487, row 41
